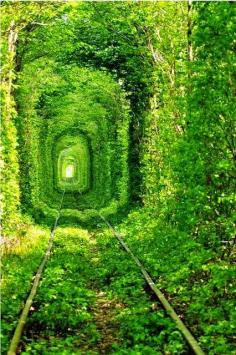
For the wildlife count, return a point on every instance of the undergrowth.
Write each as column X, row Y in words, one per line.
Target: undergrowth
column 20, row 260
column 63, row 317
column 199, row 284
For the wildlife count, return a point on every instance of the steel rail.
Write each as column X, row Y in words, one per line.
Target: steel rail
column 170, row 310
column 24, row 314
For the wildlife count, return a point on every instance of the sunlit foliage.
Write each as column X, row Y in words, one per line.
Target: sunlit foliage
column 138, row 98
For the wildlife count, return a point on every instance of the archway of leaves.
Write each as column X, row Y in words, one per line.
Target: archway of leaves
column 78, row 118
column 71, row 166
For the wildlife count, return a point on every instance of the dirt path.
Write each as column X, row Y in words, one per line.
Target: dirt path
column 104, row 312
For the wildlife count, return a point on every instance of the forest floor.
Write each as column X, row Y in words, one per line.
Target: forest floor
column 92, row 300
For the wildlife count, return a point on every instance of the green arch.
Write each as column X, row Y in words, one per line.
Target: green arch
column 73, row 149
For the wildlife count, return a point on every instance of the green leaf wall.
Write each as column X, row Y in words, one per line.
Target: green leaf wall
column 87, row 119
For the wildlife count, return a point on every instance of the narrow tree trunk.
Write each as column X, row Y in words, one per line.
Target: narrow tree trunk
column 189, row 57
column 12, row 39
column 189, row 33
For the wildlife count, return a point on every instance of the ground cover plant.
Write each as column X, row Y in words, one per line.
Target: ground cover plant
column 20, row 260
column 104, row 310
column 196, row 281
column 127, row 109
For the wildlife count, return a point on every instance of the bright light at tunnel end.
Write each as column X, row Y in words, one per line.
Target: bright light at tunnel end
column 70, row 171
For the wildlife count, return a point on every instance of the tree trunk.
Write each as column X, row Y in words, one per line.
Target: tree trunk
column 189, row 33
column 12, row 39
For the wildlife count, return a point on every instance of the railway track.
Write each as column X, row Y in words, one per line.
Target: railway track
column 23, row 317
column 192, row 342
column 169, row 309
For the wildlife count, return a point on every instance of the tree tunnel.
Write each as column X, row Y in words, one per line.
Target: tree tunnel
column 74, row 138
column 124, row 109
column 72, row 164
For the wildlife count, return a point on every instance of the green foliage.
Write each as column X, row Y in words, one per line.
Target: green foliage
column 17, row 17
column 9, row 203
column 73, row 152
column 188, row 155
column 19, row 263
column 63, row 317
column 199, row 284
column 114, row 87
column 98, row 113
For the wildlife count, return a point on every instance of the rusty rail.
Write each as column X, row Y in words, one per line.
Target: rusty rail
column 169, row 309
column 24, row 314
